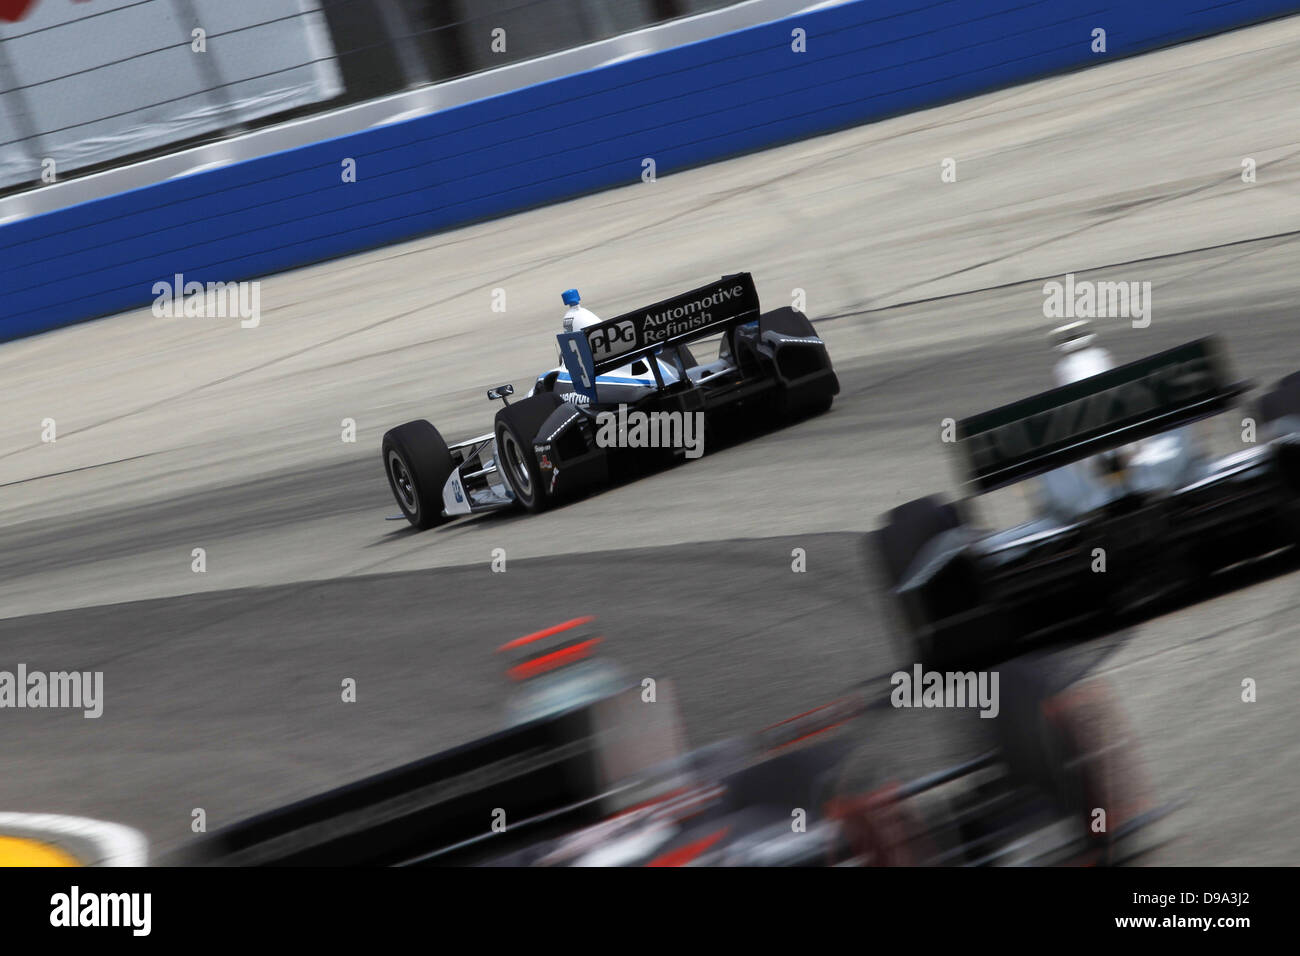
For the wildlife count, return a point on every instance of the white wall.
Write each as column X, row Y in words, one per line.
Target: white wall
column 97, row 81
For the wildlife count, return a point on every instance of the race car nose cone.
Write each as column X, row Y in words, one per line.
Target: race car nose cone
column 571, row 297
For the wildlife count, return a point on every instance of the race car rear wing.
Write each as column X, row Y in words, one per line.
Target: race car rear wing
column 710, row 309
column 1126, row 404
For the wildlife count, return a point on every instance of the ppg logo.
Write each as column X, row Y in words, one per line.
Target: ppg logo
column 612, row 340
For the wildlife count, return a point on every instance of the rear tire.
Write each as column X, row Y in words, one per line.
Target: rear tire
column 516, row 426
column 1278, row 414
column 1278, row 409
column 907, row 530
column 910, row 526
column 803, row 402
column 799, row 409
column 418, row 464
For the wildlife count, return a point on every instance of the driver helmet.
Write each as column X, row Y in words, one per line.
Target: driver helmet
column 1080, row 357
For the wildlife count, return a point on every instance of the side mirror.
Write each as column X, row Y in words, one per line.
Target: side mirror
column 501, row 392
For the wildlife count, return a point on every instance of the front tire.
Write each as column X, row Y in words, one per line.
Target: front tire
column 1069, row 741
column 418, row 464
column 516, row 427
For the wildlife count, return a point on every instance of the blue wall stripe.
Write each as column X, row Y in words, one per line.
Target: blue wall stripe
column 686, row 106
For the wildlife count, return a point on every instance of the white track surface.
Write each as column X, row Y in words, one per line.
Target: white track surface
column 1137, row 159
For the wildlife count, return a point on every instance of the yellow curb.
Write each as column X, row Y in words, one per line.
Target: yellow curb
column 20, row 851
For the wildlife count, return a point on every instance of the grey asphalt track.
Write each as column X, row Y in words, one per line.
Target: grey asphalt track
column 223, row 687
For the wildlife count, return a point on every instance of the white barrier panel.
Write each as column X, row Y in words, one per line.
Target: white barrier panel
column 86, row 83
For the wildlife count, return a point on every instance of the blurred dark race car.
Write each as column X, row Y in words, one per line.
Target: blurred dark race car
column 592, row 770
column 629, row 396
column 1129, row 510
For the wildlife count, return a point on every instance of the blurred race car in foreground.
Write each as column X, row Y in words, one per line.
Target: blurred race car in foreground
column 771, row 367
column 1128, row 510
column 592, row 771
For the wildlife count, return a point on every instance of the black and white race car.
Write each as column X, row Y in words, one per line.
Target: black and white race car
column 1129, row 510
column 630, row 396
column 586, row 774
